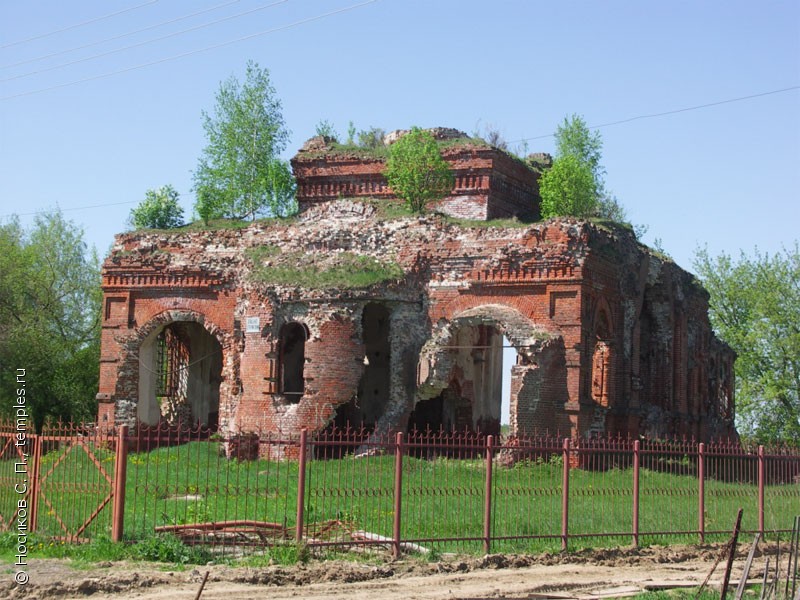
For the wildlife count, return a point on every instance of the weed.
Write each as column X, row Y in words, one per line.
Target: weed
column 434, row 555
column 343, row 270
column 168, row 548
column 258, row 254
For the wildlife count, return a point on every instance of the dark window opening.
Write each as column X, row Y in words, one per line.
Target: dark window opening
column 374, row 388
column 293, row 357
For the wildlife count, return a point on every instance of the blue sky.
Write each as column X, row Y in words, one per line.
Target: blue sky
column 726, row 176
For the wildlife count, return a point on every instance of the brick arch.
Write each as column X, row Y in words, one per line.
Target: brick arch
column 603, row 312
column 522, row 306
column 128, row 373
column 160, row 320
column 538, row 377
column 522, row 332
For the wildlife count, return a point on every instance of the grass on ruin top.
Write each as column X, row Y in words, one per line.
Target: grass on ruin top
column 340, row 270
column 388, row 210
column 216, row 224
column 382, row 151
column 473, row 224
column 238, row 223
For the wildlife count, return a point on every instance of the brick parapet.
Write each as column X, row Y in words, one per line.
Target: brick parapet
column 488, row 183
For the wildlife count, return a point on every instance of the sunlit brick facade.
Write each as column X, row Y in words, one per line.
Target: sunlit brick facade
column 608, row 337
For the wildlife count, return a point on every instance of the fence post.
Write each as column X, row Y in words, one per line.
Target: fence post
column 636, row 493
column 120, row 475
column 761, row 482
column 565, row 496
column 398, row 494
column 487, row 506
column 701, row 493
column 301, row 486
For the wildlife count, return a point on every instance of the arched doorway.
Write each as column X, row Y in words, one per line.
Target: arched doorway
column 462, row 368
column 471, row 398
column 180, row 370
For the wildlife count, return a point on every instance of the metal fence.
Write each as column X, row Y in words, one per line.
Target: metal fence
column 452, row 492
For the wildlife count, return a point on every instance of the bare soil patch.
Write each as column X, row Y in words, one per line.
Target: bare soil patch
column 585, row 574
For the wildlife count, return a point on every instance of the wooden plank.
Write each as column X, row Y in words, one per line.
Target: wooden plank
column 746, row 572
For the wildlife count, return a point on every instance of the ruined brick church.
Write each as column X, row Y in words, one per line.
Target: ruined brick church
column 346, row 314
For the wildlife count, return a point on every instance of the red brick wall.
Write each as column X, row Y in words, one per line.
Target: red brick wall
column 667, row 371
column 333, row 366
column 488, row 183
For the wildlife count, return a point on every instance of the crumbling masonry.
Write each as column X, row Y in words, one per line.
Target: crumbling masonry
column 229, row 328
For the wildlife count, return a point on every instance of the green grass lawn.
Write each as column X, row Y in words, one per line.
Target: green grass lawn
column 442, row 498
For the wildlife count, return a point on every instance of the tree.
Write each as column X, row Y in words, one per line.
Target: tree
column 574, row 185
column 49, row 319
column 158, row 210
column 755, row 307
column 568, row 188
column 240, row 174
column 416, row 171
column 573, row 138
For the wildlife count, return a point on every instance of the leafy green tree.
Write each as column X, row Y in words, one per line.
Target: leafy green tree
column 49, row 319
column 159, row 210
column 568, row 188
column 755, row 307
column 573, row 138
column 416, row 171
column 240, row 174
column 574, row 185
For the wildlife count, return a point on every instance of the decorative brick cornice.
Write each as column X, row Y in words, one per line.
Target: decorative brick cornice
column 537, row 272
column 152, row 279
column 482, row 174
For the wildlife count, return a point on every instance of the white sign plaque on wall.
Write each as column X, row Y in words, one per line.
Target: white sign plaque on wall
column 253, row 325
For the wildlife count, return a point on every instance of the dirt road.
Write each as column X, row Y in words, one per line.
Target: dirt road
column 590, row 574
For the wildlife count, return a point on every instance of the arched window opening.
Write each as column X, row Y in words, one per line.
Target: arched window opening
column 293, row 357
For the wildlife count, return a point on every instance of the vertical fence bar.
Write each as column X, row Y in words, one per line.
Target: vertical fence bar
column 120, row 474
column 301, row 486
column 636, row 493
column 565, row 497
column 761, row 485
column 398, row 494
column 701, row 494
column 487, row 506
